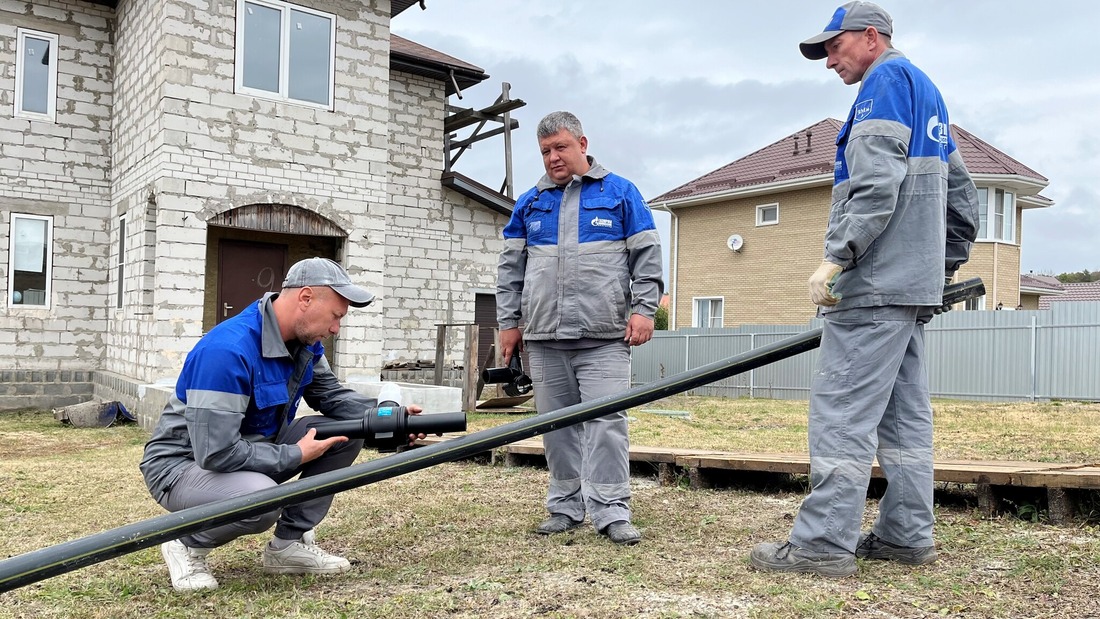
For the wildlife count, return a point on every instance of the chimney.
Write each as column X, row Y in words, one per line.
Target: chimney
column 809, row 144
column 796, row 144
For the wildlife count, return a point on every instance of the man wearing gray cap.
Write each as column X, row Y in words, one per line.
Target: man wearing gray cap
column 229, row 428
column 904, row 215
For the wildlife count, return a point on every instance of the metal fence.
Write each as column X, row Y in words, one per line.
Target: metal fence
column 990, row 355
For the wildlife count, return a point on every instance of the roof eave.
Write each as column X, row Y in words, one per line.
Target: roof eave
column 805, row 182
column 1043, row 292
column 1015, row 181
column 463, row 77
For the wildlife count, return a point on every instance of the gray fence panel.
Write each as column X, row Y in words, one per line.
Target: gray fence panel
column 984, row 356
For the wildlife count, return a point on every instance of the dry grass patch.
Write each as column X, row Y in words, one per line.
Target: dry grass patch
column 1028, row 431
column 454, row 540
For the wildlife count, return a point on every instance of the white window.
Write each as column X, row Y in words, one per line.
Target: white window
column 996, row 216
column 285, row 52
column 767, row 214
column 708, row 312
column 36, row 75
column 975, row 304
column 121, row 272
column 30, row 260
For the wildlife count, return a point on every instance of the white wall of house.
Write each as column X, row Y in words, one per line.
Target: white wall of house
column 150, row 134
column 199, row 149
column 58, row 169
column 440, row 246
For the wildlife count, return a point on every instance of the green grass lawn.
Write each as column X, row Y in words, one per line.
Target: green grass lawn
column 454, row 540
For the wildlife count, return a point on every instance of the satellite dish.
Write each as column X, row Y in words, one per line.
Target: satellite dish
column 735, row 242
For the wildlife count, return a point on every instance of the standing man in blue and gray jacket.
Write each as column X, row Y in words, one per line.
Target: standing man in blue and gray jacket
column 581, row 266
column 904, row 215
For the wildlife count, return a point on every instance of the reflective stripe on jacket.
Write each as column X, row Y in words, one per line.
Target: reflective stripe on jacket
column 579, row 260
column 904, row 208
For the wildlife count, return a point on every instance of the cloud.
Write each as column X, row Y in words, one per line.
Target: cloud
column 668, row 93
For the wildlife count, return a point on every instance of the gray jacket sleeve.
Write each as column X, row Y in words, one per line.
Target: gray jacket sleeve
column 643, row 257
column 511, row 268
column 878, row 167
column 215, row 431
column 329, row 397
column 962, row 214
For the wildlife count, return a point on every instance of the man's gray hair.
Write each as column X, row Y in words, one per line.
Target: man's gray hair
column 556, row 121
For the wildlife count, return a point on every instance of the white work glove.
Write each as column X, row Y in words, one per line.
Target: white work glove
column 821, row 284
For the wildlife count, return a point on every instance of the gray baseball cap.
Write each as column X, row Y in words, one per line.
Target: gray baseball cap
column 325, row 272
column 852, row 16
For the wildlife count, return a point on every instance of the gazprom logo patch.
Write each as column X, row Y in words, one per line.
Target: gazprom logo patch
column 863, row 109
column 936, row 130
column 602, row 223
column 534, row 226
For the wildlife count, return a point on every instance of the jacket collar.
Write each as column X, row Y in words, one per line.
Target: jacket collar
column 886, row 56
column 595, row 172
column 271, row 338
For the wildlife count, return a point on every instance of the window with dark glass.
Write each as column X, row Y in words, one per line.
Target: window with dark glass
column 36, row 75
column 285, row 52
column 30, row 260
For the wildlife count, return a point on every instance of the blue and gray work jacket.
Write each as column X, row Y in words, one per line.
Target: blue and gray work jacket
column 904, row 208
column 239, row 387
column 578, row 260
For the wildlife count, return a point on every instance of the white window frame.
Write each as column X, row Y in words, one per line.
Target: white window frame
column 1002, row 228
column 48, row 291
column 22, row 34
column 284, row 9
column 760, row 209
column 120, row 267
column 975, row 304
column 695, row 317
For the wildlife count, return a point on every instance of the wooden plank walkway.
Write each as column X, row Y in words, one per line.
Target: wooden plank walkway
column 990, row 477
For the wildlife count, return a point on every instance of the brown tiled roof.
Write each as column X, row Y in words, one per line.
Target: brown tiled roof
column 981, row 158
column 401, row 45
column 1073, row 292
column 1045, row 282
column 418, row 59
column 776, row 162
column 811, row 152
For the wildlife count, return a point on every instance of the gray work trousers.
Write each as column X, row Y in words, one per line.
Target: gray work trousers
column 197, row 486
column 869, row 397
column 589, row 462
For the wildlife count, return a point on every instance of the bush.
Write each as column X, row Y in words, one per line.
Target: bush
column 660, row 319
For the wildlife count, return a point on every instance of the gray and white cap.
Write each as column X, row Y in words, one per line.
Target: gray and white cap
column 851, row 16
column 325, row 272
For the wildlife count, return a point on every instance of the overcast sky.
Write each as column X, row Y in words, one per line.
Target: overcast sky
column 668, row 91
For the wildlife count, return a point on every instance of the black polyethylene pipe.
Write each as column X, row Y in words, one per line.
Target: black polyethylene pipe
column 72, row 555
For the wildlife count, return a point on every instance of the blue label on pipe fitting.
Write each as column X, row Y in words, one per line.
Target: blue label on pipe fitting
column 385, row 412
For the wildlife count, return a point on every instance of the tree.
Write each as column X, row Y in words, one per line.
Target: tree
column 1082, row 277
column 660, row 319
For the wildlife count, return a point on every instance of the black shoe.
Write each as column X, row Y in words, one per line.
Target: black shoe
column 871, row 546
column 786, row 557
column 557, row 523
column 622, row 532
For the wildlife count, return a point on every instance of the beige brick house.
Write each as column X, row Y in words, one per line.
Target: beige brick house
column 163, row 162
column 746, row 237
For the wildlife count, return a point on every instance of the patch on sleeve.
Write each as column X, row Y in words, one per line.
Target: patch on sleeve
column 863, row 109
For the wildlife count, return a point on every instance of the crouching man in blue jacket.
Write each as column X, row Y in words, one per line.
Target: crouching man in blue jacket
column 230, row 427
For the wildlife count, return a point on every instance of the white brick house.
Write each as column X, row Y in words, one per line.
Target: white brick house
column 162, row 162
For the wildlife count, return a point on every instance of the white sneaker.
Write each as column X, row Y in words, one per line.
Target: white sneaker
column 187, row 567
column 303, row 557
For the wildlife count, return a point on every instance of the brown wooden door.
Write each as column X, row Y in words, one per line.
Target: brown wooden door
column 485, row 316
column 246, row 271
